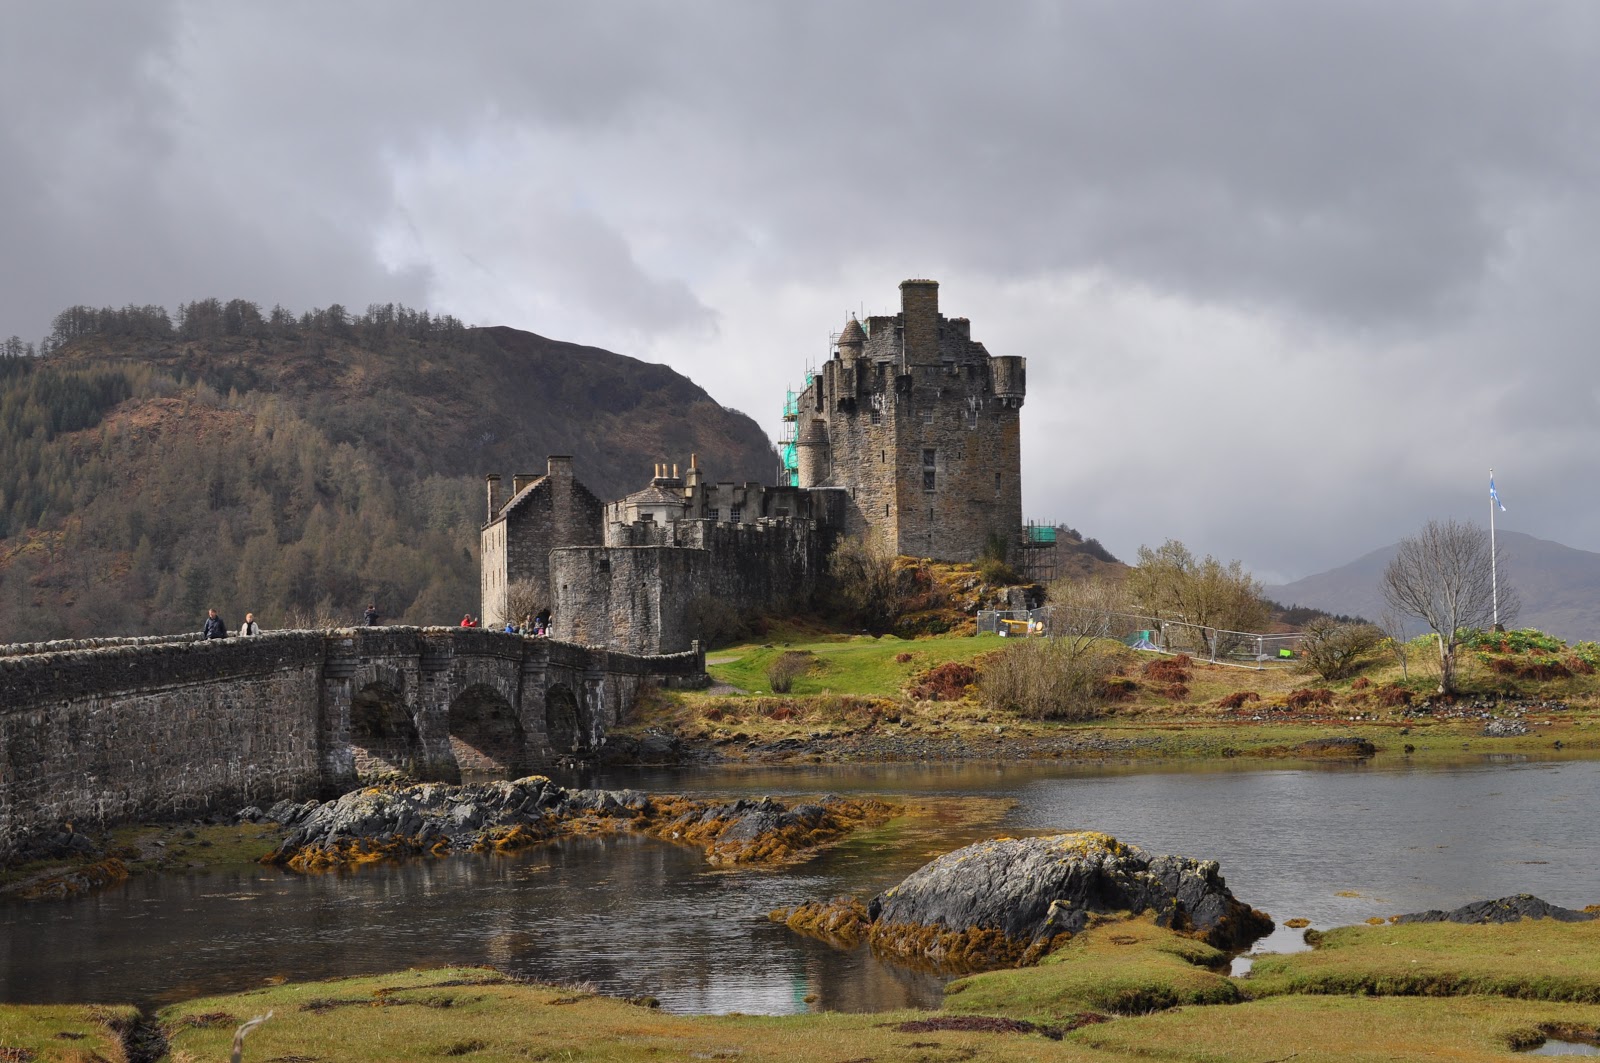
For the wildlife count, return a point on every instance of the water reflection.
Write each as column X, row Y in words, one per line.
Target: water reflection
column 637, row 917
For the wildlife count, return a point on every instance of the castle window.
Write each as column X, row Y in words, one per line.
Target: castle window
column 877, row 416
column 927, row 415
column 886, row 509
column 714, row 514
column 972, row 417
column 733, row 514
column 929, row 462
column 605, row 564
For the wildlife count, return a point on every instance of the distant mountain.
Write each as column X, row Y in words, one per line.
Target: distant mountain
column 281, row 465
column 1559, row 586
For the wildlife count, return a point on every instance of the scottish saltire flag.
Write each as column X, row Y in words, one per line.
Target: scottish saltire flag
column 1494, row 496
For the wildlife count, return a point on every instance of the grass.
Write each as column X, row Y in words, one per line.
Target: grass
column 845, row 664
column 1122, row 967
column 66, row 1032
column 1121, row 991
column 1536, row 959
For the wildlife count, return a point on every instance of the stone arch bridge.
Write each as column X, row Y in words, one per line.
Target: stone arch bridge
column 111, row 730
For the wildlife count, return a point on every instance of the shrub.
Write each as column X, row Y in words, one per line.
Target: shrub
column 1238, row 699
column 782, row 672
column 902, row 658
column 947, row 682
column 996, row 572
column 869, row 586
column 1333, row 649
column 1306, row 697
column 1116, row 688
column 1393, row 696
column 1524, row 641
column 1168, row 669
column 1361, row 683
column 1175, row 691
column 1046, row 679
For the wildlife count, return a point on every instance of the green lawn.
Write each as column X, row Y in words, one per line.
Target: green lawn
column 846, row 664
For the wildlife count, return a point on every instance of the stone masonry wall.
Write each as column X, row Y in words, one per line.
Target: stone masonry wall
column 97, row 736
column 631, row 598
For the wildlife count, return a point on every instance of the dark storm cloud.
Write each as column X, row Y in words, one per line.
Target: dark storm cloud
column 1360, row 230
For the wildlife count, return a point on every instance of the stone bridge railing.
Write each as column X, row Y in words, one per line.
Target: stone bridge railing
column 112, row 730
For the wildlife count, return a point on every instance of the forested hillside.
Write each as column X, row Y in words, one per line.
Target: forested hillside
column 151, row 467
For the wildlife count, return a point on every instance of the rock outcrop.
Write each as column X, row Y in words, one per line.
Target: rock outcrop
column 1504, row 910
column 435, row 819
column 1005, row 902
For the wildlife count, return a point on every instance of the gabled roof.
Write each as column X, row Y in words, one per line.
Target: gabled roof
column 656, row 496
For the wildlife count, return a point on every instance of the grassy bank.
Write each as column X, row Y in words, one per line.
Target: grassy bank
column 857, row 698
column 1121, row 991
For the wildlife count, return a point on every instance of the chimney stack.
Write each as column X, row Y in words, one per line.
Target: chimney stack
column 493, row 483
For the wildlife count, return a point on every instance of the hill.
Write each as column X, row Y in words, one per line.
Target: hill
column 149, row 470
column 1559, row 586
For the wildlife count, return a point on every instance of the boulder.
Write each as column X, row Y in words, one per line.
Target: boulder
column 1504, row 910
column 1003, row 902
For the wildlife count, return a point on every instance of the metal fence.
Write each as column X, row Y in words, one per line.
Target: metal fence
column 1256, row 649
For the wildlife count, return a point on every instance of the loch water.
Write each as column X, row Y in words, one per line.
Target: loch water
column 1332, row 843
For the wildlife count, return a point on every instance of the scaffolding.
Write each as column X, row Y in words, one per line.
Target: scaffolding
column 1036, row 553
column 788, row 452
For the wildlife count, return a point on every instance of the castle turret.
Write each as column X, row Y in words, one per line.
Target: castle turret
column 1010, row 380
column 814, row 453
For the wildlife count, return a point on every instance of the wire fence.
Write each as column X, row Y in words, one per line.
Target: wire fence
column 1254, row 649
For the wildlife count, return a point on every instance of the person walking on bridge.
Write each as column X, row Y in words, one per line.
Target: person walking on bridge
column 215, row 627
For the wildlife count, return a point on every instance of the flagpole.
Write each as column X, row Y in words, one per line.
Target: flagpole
column 1494, row 575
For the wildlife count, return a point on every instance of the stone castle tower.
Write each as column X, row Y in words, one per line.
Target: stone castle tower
column 920, row 425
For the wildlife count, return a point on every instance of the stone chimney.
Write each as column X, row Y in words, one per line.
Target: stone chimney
column 919, row 312
column 493, row 482
column 559, row 466
column 521, row 480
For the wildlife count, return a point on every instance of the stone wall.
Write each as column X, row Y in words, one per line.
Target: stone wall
column 635, row 596
column 629, row 598
column 102, row 735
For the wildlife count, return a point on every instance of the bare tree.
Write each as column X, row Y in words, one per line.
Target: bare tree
column 1393, row 626
column 1170, row 583
column 1444, row 576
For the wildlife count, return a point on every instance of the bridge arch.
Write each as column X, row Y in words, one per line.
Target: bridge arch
column 383, row 735
column 565, row 727
column 485, row 735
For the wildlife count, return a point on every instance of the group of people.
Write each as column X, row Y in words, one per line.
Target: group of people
column 538, row 624
column 217, row 628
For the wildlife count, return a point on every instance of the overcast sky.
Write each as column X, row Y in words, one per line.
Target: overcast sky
column 1290, row 276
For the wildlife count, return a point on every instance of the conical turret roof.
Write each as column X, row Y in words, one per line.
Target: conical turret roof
column 853, row 334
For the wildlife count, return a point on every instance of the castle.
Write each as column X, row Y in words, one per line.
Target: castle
column 910, row 432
